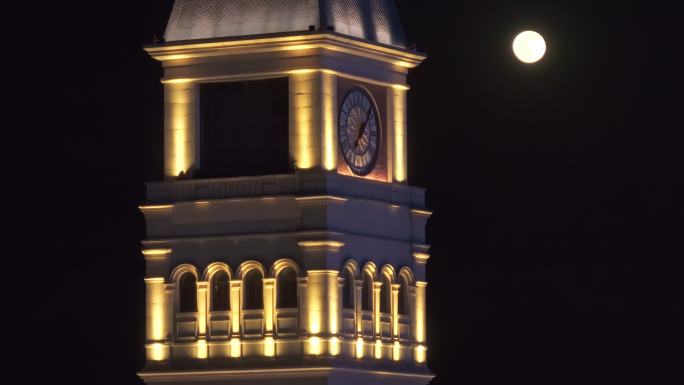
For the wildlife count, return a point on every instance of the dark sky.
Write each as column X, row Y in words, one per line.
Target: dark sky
column 557, row 234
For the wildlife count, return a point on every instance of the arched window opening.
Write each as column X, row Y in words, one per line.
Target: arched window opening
column 404, row 297
column 220, row 292
column 187, row 293
column 367, row 294
column 385, row 295
column 287, row 288
column 348, row 289
column 253, row 288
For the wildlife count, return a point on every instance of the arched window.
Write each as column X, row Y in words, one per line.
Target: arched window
column 220, row 294
column 367, row 293
column 253, row 288
column 348, row 289
column 287, row 288
column 187, row 293
column 404, row 296
column 385, row 295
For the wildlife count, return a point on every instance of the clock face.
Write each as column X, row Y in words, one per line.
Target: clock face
column 359, row 131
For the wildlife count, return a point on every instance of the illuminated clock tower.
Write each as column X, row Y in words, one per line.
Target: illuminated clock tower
column 284, row 245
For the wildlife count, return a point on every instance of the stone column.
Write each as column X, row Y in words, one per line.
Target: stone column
column 181, row 138
column 420, row 321
column 235, row 313
column 202, row 350
column 322, row 299
column 156, row 320
column 395, row 310
column 397, row 138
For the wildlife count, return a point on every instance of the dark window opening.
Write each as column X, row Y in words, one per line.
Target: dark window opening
column 187, row 293
column 385, row 295
column 367, row 294
column 404, row 297
column 254, row 290
column 220, row 295
column 244, row 129
column 348, row 290
column 287, row 289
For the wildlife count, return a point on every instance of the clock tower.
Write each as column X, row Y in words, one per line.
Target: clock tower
column 284, row 245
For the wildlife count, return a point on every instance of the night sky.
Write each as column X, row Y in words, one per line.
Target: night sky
column 557, row 233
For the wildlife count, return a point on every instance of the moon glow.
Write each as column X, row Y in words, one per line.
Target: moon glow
column 529, row 47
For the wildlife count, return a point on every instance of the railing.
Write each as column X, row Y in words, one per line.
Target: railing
column 349, row 322
column 253, row 323
column 186, row 326
column 299, row 184
column 219, row 324
column 287, row 322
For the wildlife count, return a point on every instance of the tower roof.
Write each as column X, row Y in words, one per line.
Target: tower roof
column 372, row 20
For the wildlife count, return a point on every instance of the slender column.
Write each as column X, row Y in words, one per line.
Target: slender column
column 358, row 306
column 419, row 315
column 202, row 309
column 377, row 286
column 329, row 120
column 170, row 293
column 235, row 306
column 395, row 310
column 235, row 310
column 303, row 306
column 269, row 305
column 202, row 349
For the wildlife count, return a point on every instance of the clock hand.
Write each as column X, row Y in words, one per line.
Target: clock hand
column 363, row 128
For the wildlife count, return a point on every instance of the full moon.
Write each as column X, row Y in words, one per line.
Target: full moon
column 529, row 47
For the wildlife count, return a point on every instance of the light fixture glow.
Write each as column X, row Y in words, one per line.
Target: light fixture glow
column 315, row 346
column 235, row 348
column 529, row 47
column 359, row 347
column 269, row 347
column 202, row 349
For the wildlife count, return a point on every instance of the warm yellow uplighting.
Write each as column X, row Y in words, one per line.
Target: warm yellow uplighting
column 157, row 352
column 269, row 347
column 303, row 71
column 420, row 311
column 359, row 347
column 177, row 81
column 156, row 309
column 180, row 126
column 329, row 96
column 315, row 346
column 401, row 87
column 421, row 257
column 303, row 105
column 378, row 349
column 331, row 244
column 334, row 346
column 235, row 348
column 396, row 351
column 420, row 354
column 422, row 212
column 529, row 47
column 321, row 197
column 155, row 252
column 155, row 207
column 202, row 349
column 398, row 101
column 338, row 43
